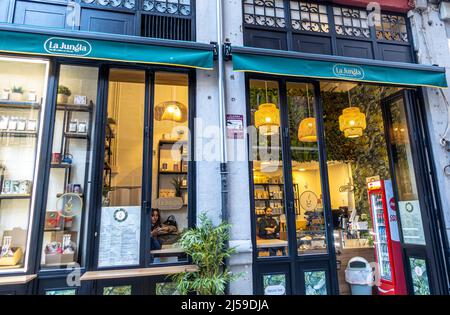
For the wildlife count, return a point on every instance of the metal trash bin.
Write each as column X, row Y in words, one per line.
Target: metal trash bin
column 359, row 275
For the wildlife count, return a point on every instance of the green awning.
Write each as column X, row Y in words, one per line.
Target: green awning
column 114, row 50
column 336, row 68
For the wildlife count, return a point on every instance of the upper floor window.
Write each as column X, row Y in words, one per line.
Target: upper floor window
column 265, row 13
column 319, row 28
column 392, row 28
column 351, row 22
column 311, row 17
column 166, row 19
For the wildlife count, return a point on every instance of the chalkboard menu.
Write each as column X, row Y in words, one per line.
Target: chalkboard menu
column 120, row 231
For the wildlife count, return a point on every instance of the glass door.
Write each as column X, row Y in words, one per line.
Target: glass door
column 122, row 188
column 289, row 211
column 409, row 191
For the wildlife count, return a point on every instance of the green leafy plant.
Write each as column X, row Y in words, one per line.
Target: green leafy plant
column 206, row 244
column 64, row 90
column 177, row 183
column 17, row 89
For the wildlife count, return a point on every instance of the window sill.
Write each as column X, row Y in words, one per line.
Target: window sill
column 139, row 272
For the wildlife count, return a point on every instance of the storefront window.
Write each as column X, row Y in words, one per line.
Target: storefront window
column 22, row 99
column 170, row 167
column 269, row 199
column 308, row 205
column 120, row 228
column 69, row 167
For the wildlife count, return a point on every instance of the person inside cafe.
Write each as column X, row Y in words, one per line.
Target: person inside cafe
column 155, row 242
column 269, row 229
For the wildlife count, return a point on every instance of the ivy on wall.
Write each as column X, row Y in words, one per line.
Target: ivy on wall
column 367, row 154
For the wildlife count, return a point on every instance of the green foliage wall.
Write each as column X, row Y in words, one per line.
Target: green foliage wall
column 367, row 154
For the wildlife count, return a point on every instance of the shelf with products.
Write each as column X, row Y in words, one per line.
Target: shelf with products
column 15, row 196
column 22, row 90
column 172, row 170
column 6, row 104
column 16, row 134
column 69, row 171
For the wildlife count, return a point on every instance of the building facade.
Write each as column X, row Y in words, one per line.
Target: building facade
column 320, row 137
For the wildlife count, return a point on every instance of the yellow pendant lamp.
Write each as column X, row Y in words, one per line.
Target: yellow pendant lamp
column 267, row 118
column 171, row 110
column 352, row 122
column 307, row 127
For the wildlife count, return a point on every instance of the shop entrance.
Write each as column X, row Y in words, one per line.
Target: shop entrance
column 334, row 182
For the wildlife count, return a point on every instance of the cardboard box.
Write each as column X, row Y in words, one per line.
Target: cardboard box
column 59, row 259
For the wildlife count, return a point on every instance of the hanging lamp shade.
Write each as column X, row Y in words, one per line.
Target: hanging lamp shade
column 267, row 119
column 352, row 122
column 171, row 111
column 307, row 130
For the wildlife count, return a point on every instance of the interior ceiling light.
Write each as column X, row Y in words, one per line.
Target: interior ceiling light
column 352, row 122
column 307, row 127
column 267, row 117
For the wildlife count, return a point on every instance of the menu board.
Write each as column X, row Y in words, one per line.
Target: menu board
column 120, row 231
column 411, row 219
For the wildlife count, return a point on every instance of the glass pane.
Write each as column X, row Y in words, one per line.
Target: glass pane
column 316, row 283
column 307, row 187
column 61, row 292
column 22, row 98
column 408, row 203
column 69, row 166
column 122, row 174
column 419, row 276
column 274, row 284
column 118, row 290
column 271, row 229
column 166, row 288
column 170, row 167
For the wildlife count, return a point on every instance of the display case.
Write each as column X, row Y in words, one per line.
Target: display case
column 22, row 98
column 69, row 166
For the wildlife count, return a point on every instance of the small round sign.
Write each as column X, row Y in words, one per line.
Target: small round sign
column 120, row 215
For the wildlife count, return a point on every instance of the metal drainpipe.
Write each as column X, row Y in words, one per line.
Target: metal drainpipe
column 222, row 112
column 222, row 121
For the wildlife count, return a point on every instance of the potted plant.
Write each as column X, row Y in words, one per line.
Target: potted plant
column 63, row 94
column 16, row 93
column 206, row 244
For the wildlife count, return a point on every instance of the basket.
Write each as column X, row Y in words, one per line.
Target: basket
column 14, row 259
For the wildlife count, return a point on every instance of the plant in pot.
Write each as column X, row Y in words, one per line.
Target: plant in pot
column 206, row 244
column 63, row 94
column 16, row 93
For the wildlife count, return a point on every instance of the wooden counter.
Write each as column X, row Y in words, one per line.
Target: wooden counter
column 13, row 280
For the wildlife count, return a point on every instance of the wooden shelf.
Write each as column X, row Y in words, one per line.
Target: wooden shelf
column 19, row 105
column 172, row 172
column 60, row 165
column 138, row 272
column 76, row 135
column 59, row 195
column 18, row 134
column 74, row 108
column 15, row 196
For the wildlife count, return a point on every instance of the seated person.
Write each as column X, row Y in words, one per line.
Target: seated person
column 155, row 242
column 269, row 228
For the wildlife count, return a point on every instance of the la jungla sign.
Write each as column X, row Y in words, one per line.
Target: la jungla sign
column 67, row 47
column 348, row 71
